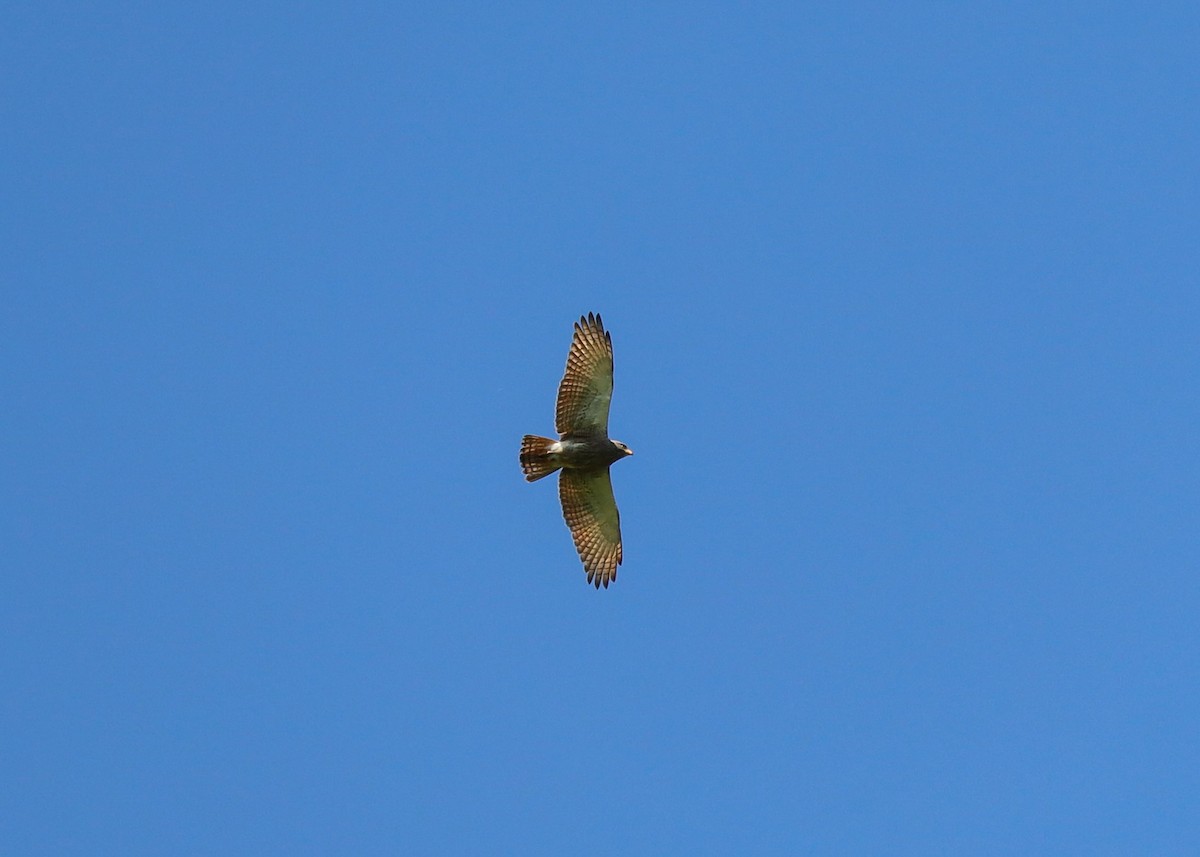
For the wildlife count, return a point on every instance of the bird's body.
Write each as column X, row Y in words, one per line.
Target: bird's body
column 584, row 452
column 573, row 453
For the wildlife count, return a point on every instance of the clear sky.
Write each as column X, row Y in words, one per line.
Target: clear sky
column 905, row 306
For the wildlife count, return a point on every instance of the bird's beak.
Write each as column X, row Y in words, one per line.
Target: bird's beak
column 628, row 451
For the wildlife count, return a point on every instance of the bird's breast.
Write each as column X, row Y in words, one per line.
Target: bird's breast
column 582, row 453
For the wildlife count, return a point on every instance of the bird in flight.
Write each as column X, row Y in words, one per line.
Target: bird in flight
column 584, row 452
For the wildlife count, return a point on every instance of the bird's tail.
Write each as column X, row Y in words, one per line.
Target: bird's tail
column 536, row 459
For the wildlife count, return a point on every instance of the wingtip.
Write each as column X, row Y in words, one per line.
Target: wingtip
column 599, row 578
column 591, row 320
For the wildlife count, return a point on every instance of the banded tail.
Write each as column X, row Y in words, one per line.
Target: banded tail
column 536, row 458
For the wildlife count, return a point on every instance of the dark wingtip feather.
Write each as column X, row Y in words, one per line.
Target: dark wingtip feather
column 592, row 319
column 599, row 579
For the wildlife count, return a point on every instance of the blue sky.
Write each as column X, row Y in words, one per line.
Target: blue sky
column 905, row 308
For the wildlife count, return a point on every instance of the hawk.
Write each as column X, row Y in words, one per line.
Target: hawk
column 584, row 452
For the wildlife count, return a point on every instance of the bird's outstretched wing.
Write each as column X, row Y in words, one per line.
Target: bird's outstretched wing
column 586, row 388
column 591, row 512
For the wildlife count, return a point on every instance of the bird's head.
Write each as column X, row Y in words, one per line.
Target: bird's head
column 622, row 448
